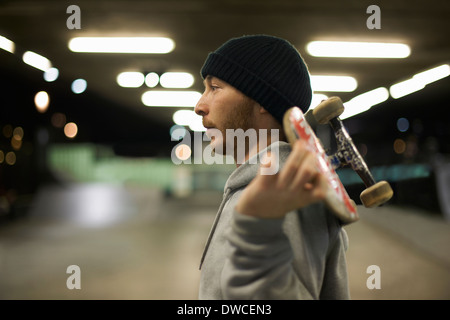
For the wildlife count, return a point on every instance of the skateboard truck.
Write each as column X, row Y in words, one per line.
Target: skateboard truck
column 328, row 111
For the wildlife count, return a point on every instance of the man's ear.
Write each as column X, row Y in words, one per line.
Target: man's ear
column 262, row 110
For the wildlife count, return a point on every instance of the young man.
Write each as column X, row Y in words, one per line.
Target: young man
column 272, row 237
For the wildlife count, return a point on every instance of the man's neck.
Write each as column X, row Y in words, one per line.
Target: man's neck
column 261, row 144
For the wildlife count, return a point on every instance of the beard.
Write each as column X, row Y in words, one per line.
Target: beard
column 240, row 117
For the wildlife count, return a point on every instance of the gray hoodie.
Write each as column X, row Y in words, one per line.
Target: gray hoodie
column 301, row 256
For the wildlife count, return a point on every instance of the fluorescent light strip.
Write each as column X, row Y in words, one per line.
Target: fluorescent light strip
column 130, row 79
column 419, row 81
column 432, row 75
column 171, row 98
column 333, row 83
column 364, row 102
column 343, row 49
column 406, row 87
column 317, row 99
column 189, row 118
column 121, row 44
column 7, row 44
column 180, row 80
column 37, row 61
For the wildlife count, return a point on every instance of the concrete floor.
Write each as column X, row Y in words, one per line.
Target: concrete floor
column 131, row 243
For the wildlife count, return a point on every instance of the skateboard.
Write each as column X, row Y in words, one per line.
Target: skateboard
column 299, row 126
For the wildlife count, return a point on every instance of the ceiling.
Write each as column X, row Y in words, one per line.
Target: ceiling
column 198, row 27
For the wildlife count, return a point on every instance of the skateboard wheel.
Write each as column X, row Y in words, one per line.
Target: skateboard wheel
column 376, row 195
column 328, row 109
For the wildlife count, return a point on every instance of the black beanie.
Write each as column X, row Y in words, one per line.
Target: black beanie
column 265, row 68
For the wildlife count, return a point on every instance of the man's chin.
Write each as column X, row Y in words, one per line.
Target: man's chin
column 216, row 146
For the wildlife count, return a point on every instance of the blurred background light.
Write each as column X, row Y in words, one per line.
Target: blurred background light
column 183, row 152
column 171, row 98
column 406, row 87
column 184, row 117
column 180, row 80
column 7, row 131
column 432, row 75
column 333, row 83
column 7, row 44
column 36, row 60
column 190, row 119
column 419, row 81
column 346, row 49
column 399, row 146
column 121, row 44
column 364, row 102
column 177, row 132
column 18, row 133
column 130, row 79
column 316, row 99
column 51, row 74
column 402, row 124
column 151, row 79
column 58, row 120
column 10, row 158
column 71, row 130
column 197, row 124
column 42, row 101
column 79, row 86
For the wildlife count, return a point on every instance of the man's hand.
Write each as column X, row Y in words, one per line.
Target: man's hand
column 297, row 185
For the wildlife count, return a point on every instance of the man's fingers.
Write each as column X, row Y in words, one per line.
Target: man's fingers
column 306, row 172
column 293, row 162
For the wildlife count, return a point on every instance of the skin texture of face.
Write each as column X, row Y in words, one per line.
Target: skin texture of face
column 224, row 107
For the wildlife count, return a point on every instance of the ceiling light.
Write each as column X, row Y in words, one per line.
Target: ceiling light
column 7, row 44
column 177, row 132
column 79, row 86
column 406, row 87
column 36, row 60
column 41, row 100
column 364, row 102
column 130, row 79
column 121, row 44
column 171, row 98
column 433, row 74
column 51, row 74
column 333, row 83
column 71, row 130
column 189, row 118
column 343, row 49
column 151, row 79
column 184, row 117
column 419, row 81
column 316, row 99
column 197, row 125
column 176, row 80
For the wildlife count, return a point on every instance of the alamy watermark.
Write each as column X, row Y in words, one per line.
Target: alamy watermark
column 74, row 20
column 374, row 21
column 74, row 280
column 374, row 280
column 239, row 146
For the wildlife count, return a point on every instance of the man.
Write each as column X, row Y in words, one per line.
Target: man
column 272, row 237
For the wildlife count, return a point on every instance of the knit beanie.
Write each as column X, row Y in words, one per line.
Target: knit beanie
column 265, row 68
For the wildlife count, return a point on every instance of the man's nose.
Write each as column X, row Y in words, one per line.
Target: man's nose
column 201, row 108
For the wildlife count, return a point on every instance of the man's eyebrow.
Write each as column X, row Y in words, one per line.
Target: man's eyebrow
column 207, row 80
